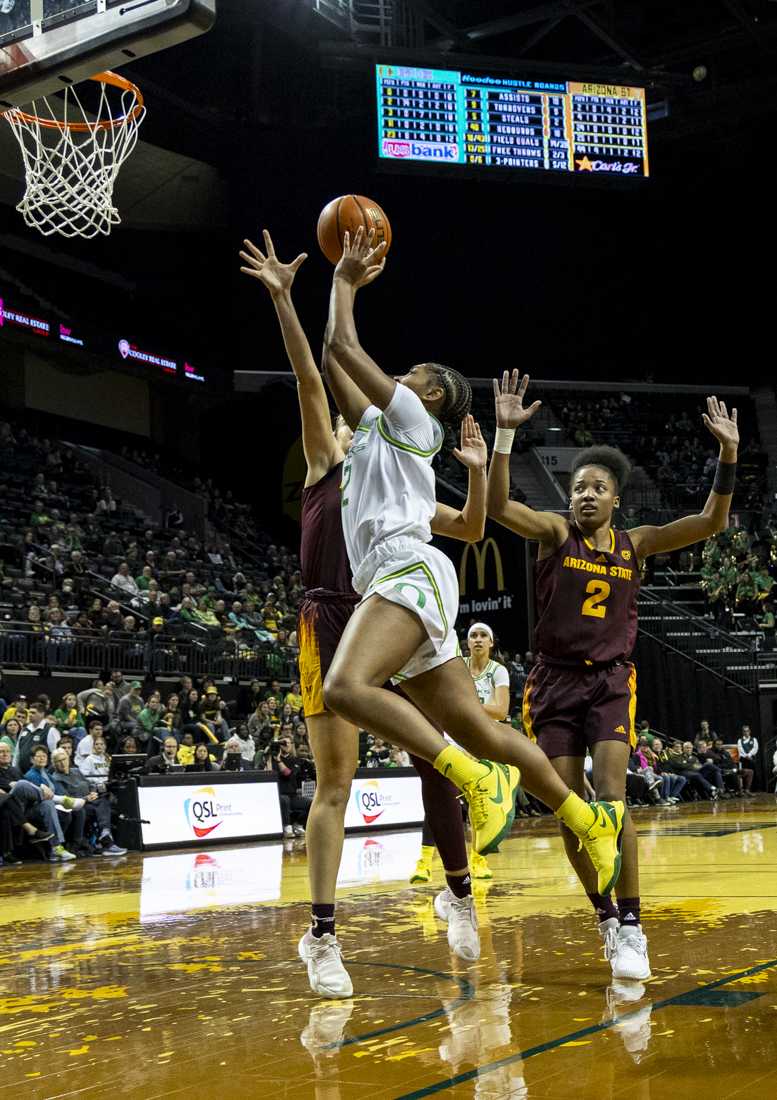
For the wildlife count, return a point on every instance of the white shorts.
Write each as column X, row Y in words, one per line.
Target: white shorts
column 422, row 579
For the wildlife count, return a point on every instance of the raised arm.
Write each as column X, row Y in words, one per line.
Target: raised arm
column 714, row 516
column 544, row 527
column 360, row 264
column 349, row 399
column 469, row 524
column 318, row 442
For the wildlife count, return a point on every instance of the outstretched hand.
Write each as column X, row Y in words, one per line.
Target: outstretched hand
column 508, row 398
column 268, row 269
column 472, row 451
column 722, row 425
column 361, row 263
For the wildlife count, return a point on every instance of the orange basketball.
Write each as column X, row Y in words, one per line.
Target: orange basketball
column 346, row 214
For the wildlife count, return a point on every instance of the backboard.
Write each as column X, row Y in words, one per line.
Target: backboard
column 46, row 45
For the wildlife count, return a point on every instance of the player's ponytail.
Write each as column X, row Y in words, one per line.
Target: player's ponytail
column 456, row 403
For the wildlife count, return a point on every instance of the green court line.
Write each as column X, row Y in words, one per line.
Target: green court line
column 594, row 1029
column 467, row 992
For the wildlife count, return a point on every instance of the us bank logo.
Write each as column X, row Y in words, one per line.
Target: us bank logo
column 420, row 150
column 203, row 813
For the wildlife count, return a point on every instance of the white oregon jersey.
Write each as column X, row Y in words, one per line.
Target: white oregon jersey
column 388, row 486
column 493, row 676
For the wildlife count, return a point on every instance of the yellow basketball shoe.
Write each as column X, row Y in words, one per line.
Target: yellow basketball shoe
column 491, row 799
column 478, row 866
column 603, row 841
column 423, row 869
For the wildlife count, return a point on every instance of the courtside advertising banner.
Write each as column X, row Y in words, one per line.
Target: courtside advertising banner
column 381, row 857
column 385, row 800
column 209, row 812
column 218, row 877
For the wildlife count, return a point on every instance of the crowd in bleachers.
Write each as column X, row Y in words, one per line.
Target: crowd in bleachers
column 738, row 572
column 664, row 434
column 77, row 566
column 56, row 756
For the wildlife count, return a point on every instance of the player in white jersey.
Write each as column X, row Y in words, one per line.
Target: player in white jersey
column 492, row 685
column 403, row 627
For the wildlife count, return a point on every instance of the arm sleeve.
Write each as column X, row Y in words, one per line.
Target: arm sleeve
column 407, row 420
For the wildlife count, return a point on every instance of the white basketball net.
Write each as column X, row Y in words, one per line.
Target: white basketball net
column 70, row 173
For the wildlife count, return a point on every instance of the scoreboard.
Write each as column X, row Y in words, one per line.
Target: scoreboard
column 443, row 116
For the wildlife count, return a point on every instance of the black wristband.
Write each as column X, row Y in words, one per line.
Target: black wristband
column 725, row 478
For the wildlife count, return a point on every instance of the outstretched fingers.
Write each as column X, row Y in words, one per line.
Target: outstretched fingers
column 256, row 253
column 268, row 243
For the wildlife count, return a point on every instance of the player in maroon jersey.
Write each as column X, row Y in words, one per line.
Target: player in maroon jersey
column 328, row 605
column 581, row 692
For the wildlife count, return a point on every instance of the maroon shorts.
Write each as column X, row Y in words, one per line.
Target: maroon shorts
column 568, row 710
column 319, row 629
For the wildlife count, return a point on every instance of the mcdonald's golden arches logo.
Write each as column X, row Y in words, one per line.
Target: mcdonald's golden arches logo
column 480, row 552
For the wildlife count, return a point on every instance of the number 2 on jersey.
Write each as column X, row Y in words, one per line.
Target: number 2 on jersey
column 344, row 485
column 594, row 605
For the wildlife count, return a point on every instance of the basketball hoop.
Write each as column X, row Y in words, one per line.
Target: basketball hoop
column 71, row 162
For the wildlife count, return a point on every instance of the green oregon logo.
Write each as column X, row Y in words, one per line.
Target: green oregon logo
column 421, row 601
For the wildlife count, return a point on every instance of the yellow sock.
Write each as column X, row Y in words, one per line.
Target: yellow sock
column 427, row 852
column 457, row 766
column 576, row 814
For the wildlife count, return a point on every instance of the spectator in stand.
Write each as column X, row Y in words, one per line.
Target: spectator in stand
column 186, row 748
column 30, row 807
column 165, row 761
column 144, row 580
column 10, row 735
column 97, row 765
column 294, row 696
column 747, row 746
column 673, row 785
column 95, row 727
column 683, row 762
column 122, row 580
column 247, row 745
column 37, row 732
column 66, row 742
column 709, row 770
column 67, row 717
column 68, row 780
column 203, row 761
column 172, row 715
column 119, row 685
column 767, row 623
column 294, row 808
column 232, row 760
column 213, row 710
column 98, row 701
column 640, row 763
column 38, row 775
column 276, row 693
column 17, row 709
column 737, row 779
column 274, row 712
column 645, row 731
column 128, row 712
column 399, row 758
column 705, row 734
column 152, row 729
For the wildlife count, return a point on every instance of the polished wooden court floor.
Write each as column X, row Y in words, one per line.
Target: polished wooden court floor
column 175, row 975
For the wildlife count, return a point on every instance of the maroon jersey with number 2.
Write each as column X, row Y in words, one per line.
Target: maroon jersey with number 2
column 587, row 600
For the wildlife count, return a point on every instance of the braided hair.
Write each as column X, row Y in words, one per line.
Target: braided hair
column 457, row 395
